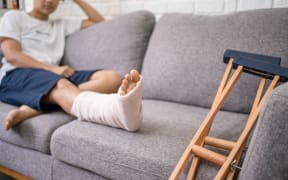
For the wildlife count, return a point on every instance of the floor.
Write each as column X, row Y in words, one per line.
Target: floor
column 4, row 177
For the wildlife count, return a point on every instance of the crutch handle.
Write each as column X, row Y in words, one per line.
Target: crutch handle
column 261, row 65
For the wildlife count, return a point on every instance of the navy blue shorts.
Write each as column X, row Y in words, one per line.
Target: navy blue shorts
column 27, row 86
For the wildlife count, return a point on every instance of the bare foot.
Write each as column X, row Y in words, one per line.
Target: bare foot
column 16, row 116
column 129, row 82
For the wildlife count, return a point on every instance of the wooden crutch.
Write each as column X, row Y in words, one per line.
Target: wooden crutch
column 267, row 67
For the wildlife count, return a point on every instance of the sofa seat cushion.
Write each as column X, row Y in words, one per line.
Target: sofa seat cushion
column 150, row 153
column 34, row 133
column 118, row 44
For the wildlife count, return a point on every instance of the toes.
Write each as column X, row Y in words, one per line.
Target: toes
column 135, row 75
column 128, row 77
column 8, row 125
column 132, row 86
column 122, row 93
column 11, row 119
column 129, row 82
column 124, row 84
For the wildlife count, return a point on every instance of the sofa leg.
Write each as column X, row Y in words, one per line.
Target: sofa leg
column 13, row 173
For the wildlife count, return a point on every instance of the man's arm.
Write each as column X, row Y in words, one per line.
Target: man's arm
column 13, row 54
column 93, row 15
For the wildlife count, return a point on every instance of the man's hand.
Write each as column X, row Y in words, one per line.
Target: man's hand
column 65, row 71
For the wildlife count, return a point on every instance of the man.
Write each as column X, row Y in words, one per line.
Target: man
column 31, row 77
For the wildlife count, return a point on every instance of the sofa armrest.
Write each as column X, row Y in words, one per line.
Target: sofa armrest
column 267, row 156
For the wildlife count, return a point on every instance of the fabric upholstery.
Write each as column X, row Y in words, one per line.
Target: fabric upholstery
column 150, row 153
column 31, row 163
column 34, row 133
column 118, row 44
column 1, row 56
column 63, row 171
column 267, row 156
column 184, row 64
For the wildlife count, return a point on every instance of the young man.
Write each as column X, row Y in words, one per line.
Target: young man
column 32, row 78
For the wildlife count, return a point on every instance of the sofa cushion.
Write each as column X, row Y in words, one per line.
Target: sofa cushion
column 150, row 153
column 63, row 171
column 184, row 64
column 118, row 44
column 31, row 163
column 34, row 133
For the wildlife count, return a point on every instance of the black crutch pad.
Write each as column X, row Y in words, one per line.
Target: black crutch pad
column 261, row 65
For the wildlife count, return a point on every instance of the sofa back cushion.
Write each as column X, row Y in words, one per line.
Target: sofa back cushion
column 184, row 63
column 117, row 44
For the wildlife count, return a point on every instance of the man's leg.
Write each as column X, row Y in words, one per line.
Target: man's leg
column 103, row 81
column 64, row 94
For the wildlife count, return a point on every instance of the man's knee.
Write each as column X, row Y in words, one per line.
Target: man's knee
column 61, row 87
column 115, row 77
column 63, row 83
column 108, row 76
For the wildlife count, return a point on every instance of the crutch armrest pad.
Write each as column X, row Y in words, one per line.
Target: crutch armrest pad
column 261, row 65
column 261, row 68
column 229, row 53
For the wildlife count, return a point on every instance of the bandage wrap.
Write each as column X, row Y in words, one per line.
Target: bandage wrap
column 111, row 109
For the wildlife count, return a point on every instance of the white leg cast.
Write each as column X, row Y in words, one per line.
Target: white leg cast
column 111, row 109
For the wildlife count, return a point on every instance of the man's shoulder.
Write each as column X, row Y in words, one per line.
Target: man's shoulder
column 13, row 13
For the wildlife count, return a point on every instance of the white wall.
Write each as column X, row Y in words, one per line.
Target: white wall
column 112, row 8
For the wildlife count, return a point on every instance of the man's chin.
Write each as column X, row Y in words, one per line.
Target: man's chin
column 48, row 11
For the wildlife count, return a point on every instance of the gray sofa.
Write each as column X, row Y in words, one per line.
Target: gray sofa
column 180, row 58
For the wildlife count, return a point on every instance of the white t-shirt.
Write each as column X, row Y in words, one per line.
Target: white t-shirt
column 42, row 40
